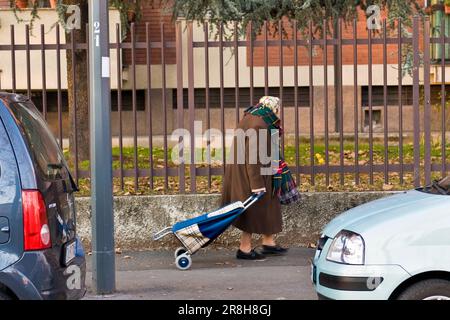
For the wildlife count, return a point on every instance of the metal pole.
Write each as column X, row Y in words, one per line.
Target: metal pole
column 103, row 268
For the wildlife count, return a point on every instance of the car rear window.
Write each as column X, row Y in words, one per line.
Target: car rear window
column 44, row 149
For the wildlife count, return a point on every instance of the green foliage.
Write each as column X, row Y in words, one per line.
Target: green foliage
column 226, row 12
column 33, row 13
column 126, row 9
column 303, row 11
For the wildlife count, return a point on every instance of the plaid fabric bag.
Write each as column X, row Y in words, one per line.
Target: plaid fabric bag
column 289, row 197
column 284, row 185
column 191, row 238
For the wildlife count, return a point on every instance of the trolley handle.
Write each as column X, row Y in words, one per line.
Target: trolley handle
column 164, row 232
column 252, row 199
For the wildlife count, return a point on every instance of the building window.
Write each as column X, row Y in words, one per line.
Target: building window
column 127, row 100
column 52, row 100
column 244, row 97
column 436, row 20
column 392, row 96
column 376, row 118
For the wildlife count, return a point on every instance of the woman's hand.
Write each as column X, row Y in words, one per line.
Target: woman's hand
column 259, row 190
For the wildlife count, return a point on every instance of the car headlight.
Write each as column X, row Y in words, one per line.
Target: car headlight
column 347, row 247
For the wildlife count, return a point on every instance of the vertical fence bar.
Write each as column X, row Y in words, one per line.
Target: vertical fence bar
column 236, row 71
column 340, row 104
column 44, row 73
column 369, row 65
column 134, row 104
column 58, row 85
column 385, row 105
column 180, row 103
column 280, row 47
column 191, row 104
column 149, row 102
column 164, row 104
column 28, row 59
column 222, row 106
column 13, row 59
column 266, row 61
column 88, row 79
column 355, row 99
column 416, row 97
column 400, row 100
column 296, row 116
column 325, row 99
column 74, row 101
column 208, row 113
column 311, row 104
column 252, row 74
column 119, row 105
column 443, row 104
column 427, row 105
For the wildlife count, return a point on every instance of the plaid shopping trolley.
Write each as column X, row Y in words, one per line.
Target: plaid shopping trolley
column 200, row 231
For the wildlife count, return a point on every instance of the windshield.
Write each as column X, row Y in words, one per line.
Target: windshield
column 45, row 151
column 438, row 187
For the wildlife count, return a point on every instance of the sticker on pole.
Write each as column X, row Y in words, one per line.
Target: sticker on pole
column 105, row 67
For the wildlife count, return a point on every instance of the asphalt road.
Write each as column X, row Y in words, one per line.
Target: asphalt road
column 214, row 275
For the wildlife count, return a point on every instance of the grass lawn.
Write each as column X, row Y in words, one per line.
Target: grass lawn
column 214, row 186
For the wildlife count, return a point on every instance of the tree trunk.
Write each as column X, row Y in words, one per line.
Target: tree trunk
column 78, row 89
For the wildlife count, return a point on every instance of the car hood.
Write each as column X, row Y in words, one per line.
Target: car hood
column 375, row 215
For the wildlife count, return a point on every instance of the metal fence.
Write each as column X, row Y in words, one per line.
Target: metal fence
column 310, row 170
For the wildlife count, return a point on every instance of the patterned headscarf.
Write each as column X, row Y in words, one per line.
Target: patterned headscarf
column 273, row 103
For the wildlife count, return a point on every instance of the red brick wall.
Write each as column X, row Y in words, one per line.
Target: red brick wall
column 4, row 4
column 347, row 50
column 154, row 16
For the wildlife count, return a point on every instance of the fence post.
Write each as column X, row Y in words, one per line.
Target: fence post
column 416, row 62
column 443, row 102
column 180, row 102
column 427, row 106
column 191, row 105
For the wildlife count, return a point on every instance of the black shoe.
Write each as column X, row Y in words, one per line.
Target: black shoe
column 252, row 255
column 273, row 250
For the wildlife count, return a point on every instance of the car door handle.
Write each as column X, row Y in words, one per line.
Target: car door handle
column 4, row 230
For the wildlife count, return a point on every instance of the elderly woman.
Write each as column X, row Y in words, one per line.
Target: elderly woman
column 241, row 179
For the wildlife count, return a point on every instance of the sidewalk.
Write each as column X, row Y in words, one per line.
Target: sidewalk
column 215, row 275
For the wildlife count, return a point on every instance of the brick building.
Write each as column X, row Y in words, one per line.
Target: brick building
column 154, row 16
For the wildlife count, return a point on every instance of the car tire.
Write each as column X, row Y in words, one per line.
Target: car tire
column 432, row 289
column 4, row 296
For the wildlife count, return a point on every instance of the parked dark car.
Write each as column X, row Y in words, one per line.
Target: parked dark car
column 40, row 255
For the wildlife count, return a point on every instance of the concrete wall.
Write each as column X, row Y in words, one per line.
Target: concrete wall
column 137, row 218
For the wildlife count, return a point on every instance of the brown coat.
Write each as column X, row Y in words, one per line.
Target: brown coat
column 264, row 216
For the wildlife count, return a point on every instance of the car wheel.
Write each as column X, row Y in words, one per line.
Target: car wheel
column 4, row 296
column 432, row 289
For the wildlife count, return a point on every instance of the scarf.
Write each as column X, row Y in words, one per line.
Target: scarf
column 283, row 183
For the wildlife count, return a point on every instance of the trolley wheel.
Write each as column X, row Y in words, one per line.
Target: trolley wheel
column 183, row 261
column 179, row 252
